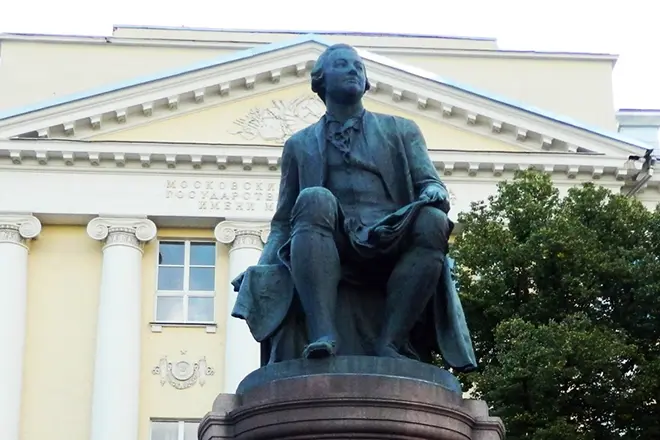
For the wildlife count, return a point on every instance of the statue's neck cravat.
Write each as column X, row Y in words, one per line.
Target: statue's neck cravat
column 339, row 135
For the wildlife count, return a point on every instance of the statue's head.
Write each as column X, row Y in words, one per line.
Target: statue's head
column 340, row 74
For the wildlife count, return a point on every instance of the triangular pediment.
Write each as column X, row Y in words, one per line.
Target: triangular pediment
column 270, row 118
column 212, row 92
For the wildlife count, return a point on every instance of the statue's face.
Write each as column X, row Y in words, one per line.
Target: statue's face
column 344, row 75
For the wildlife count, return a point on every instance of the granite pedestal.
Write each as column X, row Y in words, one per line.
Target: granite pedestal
column 352, row 397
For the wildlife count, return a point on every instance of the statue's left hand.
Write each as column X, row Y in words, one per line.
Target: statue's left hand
column 437, row 195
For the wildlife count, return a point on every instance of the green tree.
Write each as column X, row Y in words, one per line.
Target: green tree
column 562, row 296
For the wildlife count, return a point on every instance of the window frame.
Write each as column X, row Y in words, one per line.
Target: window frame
column 185, row 294
column 180, row 426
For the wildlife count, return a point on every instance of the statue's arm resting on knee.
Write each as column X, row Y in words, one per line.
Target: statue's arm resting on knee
column 280, row 228
column 425, row 178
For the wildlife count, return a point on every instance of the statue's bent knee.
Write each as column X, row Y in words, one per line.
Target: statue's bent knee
column 431, row 228
column 315, row 206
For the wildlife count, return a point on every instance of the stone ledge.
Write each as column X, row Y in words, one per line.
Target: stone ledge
column 351, row 365
column 346, row 403
column 157, row 326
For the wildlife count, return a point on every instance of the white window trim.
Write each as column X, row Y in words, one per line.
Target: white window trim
column 181, row 425
column 186, row 293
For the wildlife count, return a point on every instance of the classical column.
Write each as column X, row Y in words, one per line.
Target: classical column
column 242, row 353
column 117, row 363
column 15, row 233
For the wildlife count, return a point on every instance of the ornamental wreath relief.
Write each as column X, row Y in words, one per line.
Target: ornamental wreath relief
column 182, row 374
column 277, row 122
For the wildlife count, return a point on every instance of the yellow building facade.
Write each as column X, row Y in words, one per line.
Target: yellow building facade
column 139, row 173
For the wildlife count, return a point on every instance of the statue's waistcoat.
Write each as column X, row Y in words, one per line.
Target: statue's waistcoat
column 354, row 178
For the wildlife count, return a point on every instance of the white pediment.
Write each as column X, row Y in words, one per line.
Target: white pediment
column 269, row 119
column 273, row 67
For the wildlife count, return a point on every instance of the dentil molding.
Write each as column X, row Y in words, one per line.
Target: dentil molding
column 241, row 235
column 18, row 228
column 141, row 158
column 132, row 232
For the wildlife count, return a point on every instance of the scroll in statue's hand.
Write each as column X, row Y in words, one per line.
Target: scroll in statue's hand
column 437, row 195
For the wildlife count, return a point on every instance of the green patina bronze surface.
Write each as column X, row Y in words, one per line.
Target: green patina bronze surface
column 356, row 262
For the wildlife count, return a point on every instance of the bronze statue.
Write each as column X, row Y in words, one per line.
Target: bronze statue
column 356, row 262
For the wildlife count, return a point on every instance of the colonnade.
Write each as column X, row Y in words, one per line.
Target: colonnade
column 115, row 398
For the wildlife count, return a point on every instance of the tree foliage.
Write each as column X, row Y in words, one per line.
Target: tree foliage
column 562, row 297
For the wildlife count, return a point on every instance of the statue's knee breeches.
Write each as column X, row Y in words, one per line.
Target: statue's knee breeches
column 316, row 208
column 431, row 229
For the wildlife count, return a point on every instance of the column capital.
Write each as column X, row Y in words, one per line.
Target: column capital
column 242, row 234
column 19, row 228
column 120, row 231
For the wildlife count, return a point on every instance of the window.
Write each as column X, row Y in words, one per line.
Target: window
column 174, row 430
column 186, row 282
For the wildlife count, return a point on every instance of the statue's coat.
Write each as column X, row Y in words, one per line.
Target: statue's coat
column 266, row 293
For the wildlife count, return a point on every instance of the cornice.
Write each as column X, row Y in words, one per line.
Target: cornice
column 174, row 107
column 209, row 86
column 241, row 45
column 638, row 118
column 163, row 94
column 502, row 54
column 447, row 102
column 208, row 159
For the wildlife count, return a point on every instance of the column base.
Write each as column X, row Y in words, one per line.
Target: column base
column 338, row 399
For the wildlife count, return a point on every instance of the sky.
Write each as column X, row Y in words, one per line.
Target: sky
column 627, row 29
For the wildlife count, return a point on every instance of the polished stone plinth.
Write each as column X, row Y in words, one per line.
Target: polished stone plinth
column 349, row 398
column 351, row 365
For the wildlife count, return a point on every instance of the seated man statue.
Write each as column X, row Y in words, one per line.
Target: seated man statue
column 356, row 262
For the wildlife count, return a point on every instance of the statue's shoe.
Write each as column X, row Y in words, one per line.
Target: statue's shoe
column 322, row 348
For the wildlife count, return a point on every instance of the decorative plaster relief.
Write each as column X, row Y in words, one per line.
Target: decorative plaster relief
column 133, row 232
column 19, row 229
column 242, row 234
column 183, row 374
column 279, row 121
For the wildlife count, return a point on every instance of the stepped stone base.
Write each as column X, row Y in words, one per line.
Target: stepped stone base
column 349, row 398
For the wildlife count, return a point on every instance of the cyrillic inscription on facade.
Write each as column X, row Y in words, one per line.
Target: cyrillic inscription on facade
column 225, row 195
